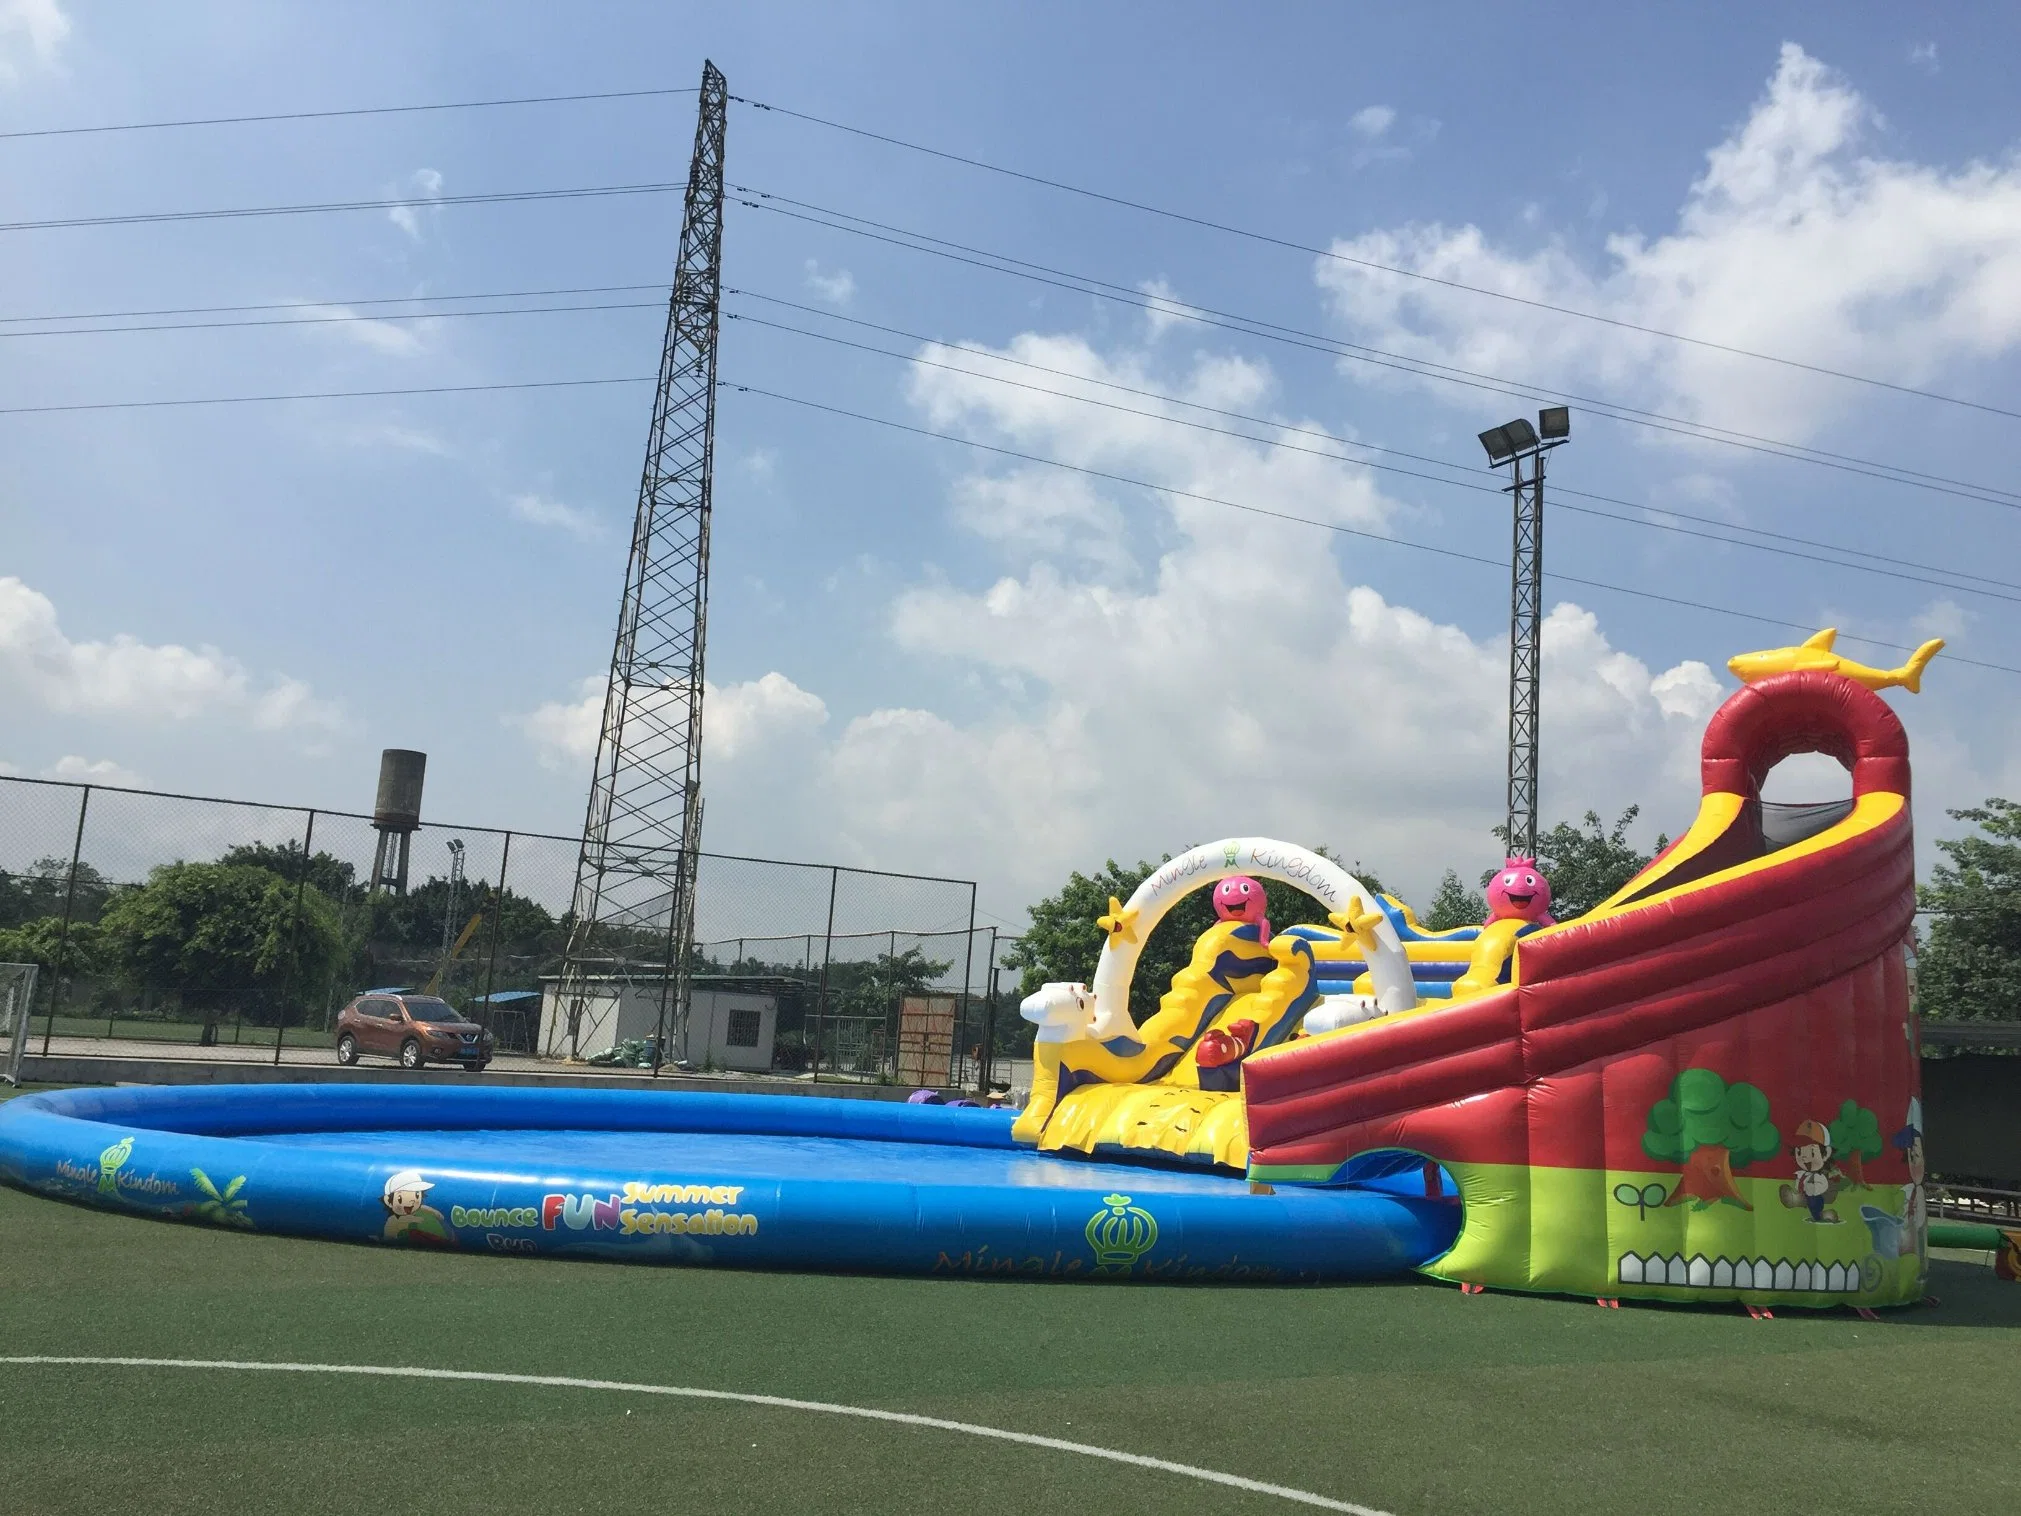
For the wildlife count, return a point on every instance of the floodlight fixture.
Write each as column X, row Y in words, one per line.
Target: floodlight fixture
column 1508, row 439
column 1554, row 422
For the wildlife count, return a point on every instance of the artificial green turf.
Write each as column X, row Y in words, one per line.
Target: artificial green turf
column 1406, row 1397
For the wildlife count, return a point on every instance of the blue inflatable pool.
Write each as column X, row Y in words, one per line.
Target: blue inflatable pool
column 758, row 1181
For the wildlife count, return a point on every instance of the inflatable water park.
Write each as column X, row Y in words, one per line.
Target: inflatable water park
column 1706, row 1088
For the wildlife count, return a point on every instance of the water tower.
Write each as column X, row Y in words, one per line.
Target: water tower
column 396, row 815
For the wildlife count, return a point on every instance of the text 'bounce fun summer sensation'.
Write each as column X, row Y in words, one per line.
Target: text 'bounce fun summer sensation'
column 1706, row 1088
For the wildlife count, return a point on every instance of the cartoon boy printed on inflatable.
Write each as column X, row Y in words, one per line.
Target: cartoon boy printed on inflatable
column 1817, row 1177
column 409, row 1218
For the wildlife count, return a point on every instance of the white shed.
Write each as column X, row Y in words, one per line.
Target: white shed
column 728, row 1028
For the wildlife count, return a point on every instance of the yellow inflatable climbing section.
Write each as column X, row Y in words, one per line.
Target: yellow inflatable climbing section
column 1175, row 1086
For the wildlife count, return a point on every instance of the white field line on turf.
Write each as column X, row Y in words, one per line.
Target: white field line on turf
column 687, row 1392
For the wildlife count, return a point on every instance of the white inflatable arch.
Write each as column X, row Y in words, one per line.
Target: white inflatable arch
column 1323, row 879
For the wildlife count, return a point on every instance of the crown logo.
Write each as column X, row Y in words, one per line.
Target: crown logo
column 1229, row 854
column 109, row 1163
column 1120, row 1235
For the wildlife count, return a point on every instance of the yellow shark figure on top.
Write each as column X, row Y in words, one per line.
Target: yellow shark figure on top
column 1816, row 653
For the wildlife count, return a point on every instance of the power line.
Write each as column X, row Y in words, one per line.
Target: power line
column 1373, row 447
column 1721, row 536
column 1085, row 284
column 289, row 305
column 1056, row 184
column 420, row 389
column 1501, row 565
column 318, row 208
column 368, row 110
column 539, row 384
column 1365, row 263
column 212, row 326
column 1947, row 583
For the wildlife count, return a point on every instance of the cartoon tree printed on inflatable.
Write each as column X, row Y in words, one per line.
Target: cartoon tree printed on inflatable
column 1711, row 1128
column 1856, row 1134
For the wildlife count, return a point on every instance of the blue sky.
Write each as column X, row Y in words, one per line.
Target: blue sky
column 923, row 656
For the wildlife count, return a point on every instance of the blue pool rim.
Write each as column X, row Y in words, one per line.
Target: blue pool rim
column 735, row 1180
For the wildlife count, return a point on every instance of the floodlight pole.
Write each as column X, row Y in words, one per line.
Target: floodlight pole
column 1517, row 444
column 1526, row 606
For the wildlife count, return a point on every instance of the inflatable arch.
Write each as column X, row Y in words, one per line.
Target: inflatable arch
column 1196, row 869
column 1173, row 1085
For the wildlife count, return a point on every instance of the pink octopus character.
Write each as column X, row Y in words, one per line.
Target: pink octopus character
column 1240, row 898
column 1520, row 893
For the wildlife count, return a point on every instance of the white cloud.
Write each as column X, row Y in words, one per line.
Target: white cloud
column 1138, row 446
column 127, row 677
column 1372, row 121
column 564, row 732
column 837, row 288
column 1040, row 510
column 762, row 464
column 1924, row 56
column 740, row 722
column 1691, row 690
column 1371, row 126
column 1791, row 242
column 538, row 510
column 99, row 771
column 1161, row 671
column 31, row 33
column 394, row 338
column 407, row 439
column 1164, row 311
column 422, row 185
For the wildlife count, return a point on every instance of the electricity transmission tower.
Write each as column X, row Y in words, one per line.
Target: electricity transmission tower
column 1516, row 443
column 633, row 911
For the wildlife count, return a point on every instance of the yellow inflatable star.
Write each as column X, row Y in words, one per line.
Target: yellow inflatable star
column 1360, row 920
column 1120, row 923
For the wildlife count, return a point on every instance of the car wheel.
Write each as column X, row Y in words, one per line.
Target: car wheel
column 411, row 1056
column 347, row 1049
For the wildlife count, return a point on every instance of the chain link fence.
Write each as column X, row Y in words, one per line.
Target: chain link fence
column 163, row 918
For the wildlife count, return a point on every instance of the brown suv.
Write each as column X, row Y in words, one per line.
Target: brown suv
column 416, row 1029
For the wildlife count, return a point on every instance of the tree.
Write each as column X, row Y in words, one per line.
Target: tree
column 1063, row 942
column 327, row 872
column 220, row 933
column 1969, row 969
column 1455, row 905
column 42, row 890
column 1586, row 866
column 1856, row 1136
column 1711, row 1128
column 45, row 943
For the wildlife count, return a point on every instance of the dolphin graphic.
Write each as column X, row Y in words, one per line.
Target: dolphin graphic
column 1816, row 653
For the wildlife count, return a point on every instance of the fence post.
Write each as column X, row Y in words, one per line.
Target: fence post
column 967, row 968
column 821, row 995
column 894, row 1022
column 294, row 942
column 497, row 926
column 57, row 991
column 988, row 1023
column 676, row 903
